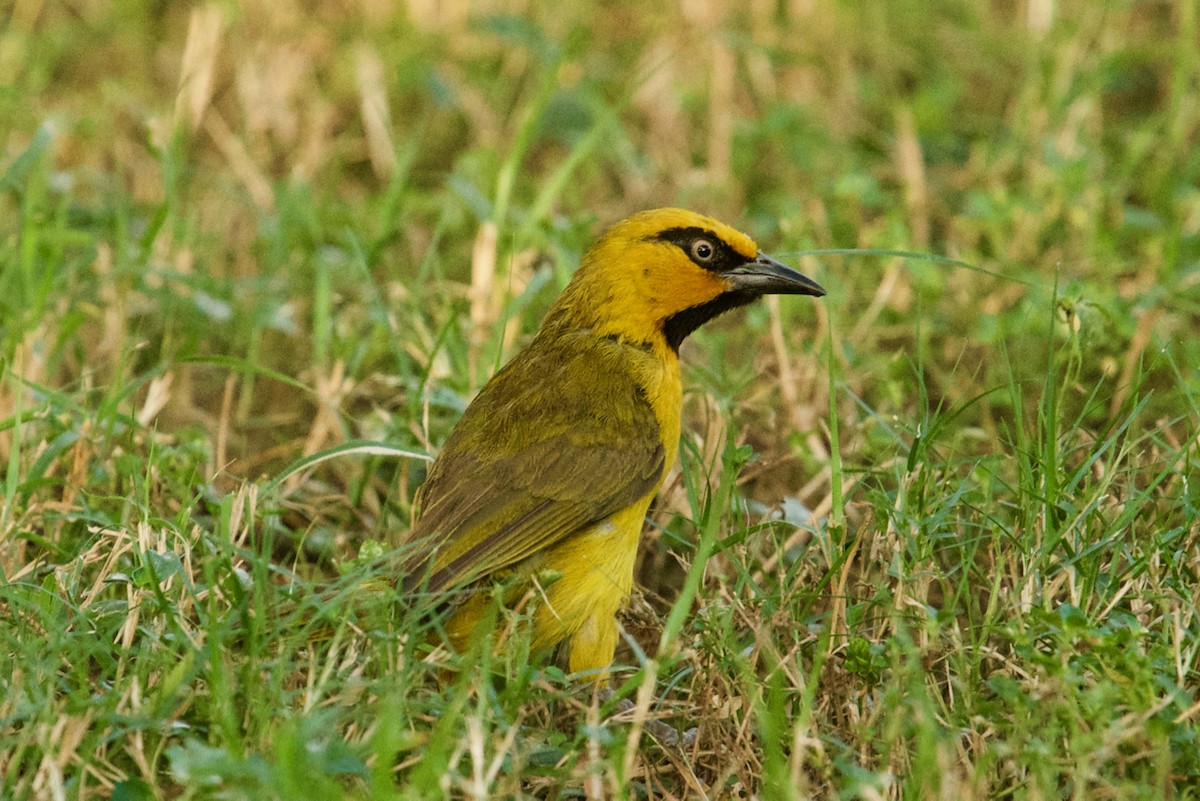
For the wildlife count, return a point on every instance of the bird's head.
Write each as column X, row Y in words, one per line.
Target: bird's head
column 660, row 274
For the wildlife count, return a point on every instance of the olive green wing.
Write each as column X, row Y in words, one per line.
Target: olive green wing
column 558, row 441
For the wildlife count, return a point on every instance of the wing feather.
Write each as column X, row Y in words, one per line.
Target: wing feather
column 559, row 440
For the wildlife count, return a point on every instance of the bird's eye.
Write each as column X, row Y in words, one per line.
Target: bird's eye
column 702, row 250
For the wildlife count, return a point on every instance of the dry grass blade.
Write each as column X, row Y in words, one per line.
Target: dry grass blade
column 376, row 114
column 206, row 25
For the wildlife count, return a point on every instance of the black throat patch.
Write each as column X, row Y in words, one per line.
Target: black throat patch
column 676, row 327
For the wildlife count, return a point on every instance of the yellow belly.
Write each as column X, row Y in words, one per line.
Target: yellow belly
column 596, row 570
column 594, row 577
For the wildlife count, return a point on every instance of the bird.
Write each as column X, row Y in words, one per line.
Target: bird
column 544, row 483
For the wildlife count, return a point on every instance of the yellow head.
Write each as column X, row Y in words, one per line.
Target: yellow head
column 658, row 275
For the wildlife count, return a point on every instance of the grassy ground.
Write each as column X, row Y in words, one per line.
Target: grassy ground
column 937, row 535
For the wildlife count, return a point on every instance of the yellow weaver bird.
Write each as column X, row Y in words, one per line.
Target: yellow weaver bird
column 550, row 471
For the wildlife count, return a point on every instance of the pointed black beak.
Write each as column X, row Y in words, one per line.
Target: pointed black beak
column 765, row 276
